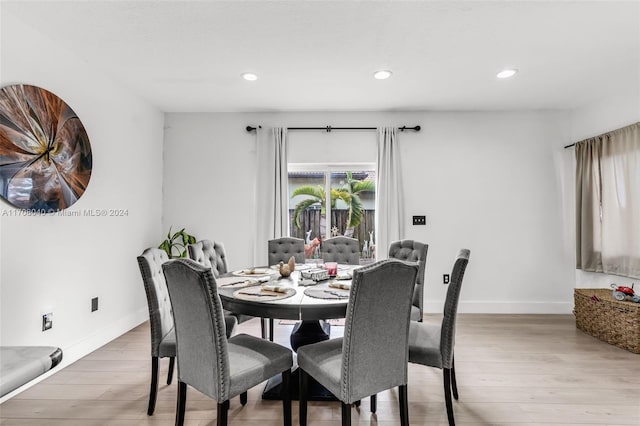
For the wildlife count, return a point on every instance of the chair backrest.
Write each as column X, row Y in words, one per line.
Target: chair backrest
column 160, row 316
column 281, row 249
column 211, row 254
column 375, row 344
column 448, row 331
column 342, row 250
column 203, row 361
column 412, row 251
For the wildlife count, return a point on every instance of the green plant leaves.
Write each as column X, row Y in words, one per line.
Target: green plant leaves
column 300, row 208
column 176, row 245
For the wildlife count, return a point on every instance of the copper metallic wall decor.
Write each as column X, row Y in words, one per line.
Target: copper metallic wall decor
column 45, row 154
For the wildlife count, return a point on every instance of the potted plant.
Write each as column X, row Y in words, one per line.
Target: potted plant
column 176, row 244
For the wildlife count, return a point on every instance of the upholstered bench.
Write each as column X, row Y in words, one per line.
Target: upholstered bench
column 21, row 364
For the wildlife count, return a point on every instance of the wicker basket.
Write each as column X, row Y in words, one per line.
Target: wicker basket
column 600, row 315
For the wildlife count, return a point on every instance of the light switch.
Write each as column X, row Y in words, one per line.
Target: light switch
column 419, row 220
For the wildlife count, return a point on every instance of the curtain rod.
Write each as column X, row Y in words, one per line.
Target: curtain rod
column 329, row 128
column 606, row 133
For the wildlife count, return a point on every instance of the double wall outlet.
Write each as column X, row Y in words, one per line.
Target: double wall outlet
column 419, row 220
column 94, row 304
column 47, row 321
column 445, row 279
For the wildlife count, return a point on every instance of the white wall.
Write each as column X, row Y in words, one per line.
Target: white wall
column 57, row 264
column 589, row 121
column 485, row 181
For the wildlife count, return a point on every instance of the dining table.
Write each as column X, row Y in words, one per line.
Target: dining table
column 308, row 295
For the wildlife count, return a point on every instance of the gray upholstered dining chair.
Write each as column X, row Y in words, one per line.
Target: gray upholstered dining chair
column 342, row 250
column 413, row 251
column 372, row 356
column 218, row 367
column 163, row 340
column 281, row 250
column 210, row 253
column 213, row 255
column 432, row 344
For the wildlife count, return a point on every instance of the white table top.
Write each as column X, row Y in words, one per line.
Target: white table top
column 297, row 307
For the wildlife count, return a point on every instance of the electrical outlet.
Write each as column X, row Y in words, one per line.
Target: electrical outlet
column 47, row 321
column 445, row 279
column 419, row 220
column 94, row 304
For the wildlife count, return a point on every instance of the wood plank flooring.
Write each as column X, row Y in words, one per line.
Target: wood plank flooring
column 512, row 370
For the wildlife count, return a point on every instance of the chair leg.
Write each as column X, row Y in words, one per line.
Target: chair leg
column 263, row 328
column 373, row 404
column 271, row 329
column 243, row 398
column 302, row 396
column 286, row 397
column 447, row 395
column 172, row 361
column 182, row 403
column 404, row 405
column 454, row 385
column 346, row 414
column 223, row 413
column 154, row 386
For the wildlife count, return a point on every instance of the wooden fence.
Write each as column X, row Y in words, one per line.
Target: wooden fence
column 311, row 220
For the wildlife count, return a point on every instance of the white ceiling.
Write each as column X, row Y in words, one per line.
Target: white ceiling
column 320, row 55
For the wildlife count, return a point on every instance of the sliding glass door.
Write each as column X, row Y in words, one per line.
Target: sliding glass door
column 327, row 200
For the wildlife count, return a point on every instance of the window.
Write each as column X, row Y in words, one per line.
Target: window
column 327, row 200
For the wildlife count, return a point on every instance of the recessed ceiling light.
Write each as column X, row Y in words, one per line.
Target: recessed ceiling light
column 382, row 74
column 506, row 73
column 249, row 76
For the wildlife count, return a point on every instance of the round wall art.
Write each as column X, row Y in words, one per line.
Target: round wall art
column 45, row 154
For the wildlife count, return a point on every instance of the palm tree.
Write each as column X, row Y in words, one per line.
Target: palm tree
column 353, row 188
column 349, row 193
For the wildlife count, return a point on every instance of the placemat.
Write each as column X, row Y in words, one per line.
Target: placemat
column 260, row 295
column 326, row 293
column 235, row 282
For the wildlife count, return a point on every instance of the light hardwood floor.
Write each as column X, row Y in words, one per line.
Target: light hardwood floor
column 511, row 369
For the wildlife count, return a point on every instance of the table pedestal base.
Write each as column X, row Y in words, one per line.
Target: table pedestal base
column 317, row 392
column 307, row 332
column 303, row 333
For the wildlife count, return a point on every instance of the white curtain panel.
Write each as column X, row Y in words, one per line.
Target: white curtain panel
column 389, row 201
column 272, row 194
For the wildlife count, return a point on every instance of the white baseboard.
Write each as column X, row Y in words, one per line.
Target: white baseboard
column 85, row 346
column 494, row 307
column 103, row 336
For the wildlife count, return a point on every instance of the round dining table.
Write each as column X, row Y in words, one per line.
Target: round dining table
column 328, row 302
column 297, row 298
